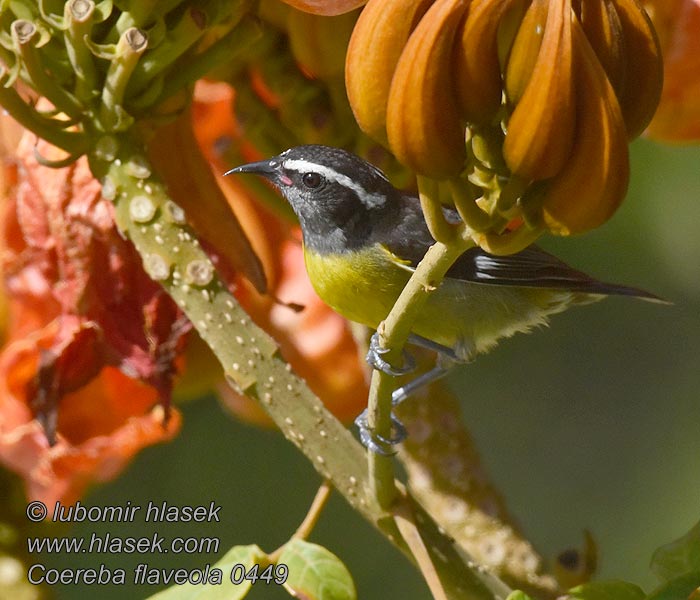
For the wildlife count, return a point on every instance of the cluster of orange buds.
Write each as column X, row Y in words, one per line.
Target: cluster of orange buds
column 531, row 102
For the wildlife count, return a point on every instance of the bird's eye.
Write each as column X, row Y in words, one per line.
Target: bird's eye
column 311, row 180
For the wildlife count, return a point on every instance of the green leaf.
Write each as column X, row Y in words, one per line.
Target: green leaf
column 678, row 557
column 518, row 595
column 221, row 588
column 315, row 573
column 607, row 590
column 679, row 588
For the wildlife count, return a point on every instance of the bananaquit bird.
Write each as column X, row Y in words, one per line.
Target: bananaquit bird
column 362, row 240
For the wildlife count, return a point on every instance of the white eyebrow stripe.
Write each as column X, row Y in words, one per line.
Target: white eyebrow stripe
column 304, row 166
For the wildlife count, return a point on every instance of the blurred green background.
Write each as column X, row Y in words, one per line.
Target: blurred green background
column 589, row 424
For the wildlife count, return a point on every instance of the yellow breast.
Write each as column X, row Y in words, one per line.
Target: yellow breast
column 362, row 285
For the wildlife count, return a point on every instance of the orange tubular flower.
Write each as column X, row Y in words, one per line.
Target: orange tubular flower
column 88, row 331
column 532, row 101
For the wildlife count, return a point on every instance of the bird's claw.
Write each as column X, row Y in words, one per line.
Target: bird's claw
column 375, row 360
column 379, row 444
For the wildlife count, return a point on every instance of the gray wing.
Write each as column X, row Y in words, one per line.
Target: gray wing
column 532, row 267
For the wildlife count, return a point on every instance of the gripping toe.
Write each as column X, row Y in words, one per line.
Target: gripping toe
column 376, row 443
column 375, row 360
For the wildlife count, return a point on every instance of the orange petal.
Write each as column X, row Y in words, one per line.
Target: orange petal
column 540, row 130
column 319, row 43
column 423, row 122
column 525, row 50
column 477, row 68
column 593, row 182
column 643, row 81
column 377, row 41
column 603, row 29
column 102, row 426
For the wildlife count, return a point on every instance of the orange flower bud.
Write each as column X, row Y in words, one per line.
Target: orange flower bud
column 376, row 44
column 423, row 122
column 593, row 182
column 503, row 75
column 540, row 130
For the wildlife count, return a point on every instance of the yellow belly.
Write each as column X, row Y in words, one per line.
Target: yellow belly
column 469, row 317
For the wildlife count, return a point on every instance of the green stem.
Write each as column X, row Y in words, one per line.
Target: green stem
column 393, row 334
column 80, row 19
column 260, row 123
column 395, row 329
column 177, row 42
column 50, row 129
column 381, row 468
column 440, row 229
column 139, row 11
column 24, row 35
column 314, row 514
column 130, row 47
column 221, row 52
column 427, row 276
column 467, row 208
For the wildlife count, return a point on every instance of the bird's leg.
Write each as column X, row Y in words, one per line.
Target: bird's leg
column 373, row 442
column 446, row 359
column 446, row 351
column 437, row 372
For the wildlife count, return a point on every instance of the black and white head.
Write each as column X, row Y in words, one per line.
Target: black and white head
column 335, row 194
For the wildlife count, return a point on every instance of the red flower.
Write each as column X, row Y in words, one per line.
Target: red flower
column 89, row 332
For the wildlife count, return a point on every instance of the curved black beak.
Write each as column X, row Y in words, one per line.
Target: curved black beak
column 266, row 168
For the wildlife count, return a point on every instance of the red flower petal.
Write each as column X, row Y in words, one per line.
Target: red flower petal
column 92, row 341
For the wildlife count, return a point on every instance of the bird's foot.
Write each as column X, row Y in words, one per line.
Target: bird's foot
column 375, row 360
column 378, row 444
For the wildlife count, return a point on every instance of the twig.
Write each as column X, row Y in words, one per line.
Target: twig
column 312, row 516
